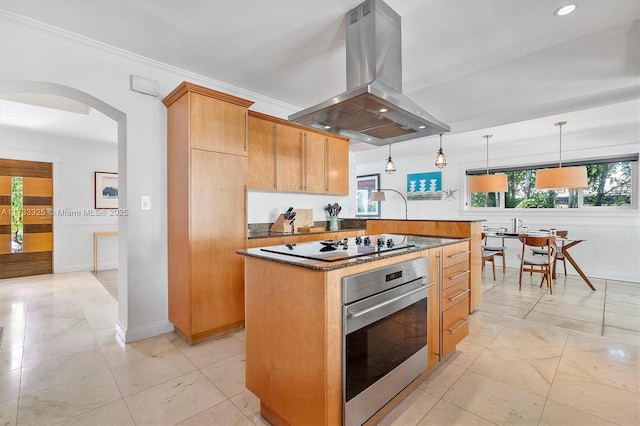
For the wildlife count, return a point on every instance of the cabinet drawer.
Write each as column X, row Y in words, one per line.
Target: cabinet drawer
column 455, row 294
column 455, row 325
column 455, row 253
column 455, row 274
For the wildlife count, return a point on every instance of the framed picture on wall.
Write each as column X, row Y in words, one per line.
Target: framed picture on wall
column 366, row 184
column 106, row 190
column 424, row 186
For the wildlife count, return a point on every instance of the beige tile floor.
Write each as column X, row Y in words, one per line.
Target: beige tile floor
column 530, row 358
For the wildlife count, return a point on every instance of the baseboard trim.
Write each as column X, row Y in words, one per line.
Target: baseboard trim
column 131, row 335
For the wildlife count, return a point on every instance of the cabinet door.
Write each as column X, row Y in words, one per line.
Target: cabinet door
column 218, row 125
column 289, row 159
column 314, row 163
column 261, row 166
column 337, row 166
column 217, row 230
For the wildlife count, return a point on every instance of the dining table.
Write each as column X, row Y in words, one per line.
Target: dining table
column 567, row 243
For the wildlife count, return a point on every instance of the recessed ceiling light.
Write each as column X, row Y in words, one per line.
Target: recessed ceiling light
column 383, row 110
column 326, row 126
column 565, row 10
column 422, row 127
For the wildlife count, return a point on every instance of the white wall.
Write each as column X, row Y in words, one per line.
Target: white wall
column 75, row 162
column 612, row 236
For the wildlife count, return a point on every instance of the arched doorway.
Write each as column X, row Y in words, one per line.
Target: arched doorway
column 15, row 87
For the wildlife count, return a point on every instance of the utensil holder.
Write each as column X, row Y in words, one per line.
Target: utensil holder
column 333, row 223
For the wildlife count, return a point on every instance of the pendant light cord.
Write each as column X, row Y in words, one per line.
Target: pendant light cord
column 560, row 124
column 487, row 138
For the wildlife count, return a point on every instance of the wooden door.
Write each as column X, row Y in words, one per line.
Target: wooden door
column 314, row 163
column 337, row 166
column 289, row 159
column 261, row 166
column 217, row 229
column 26, row 251
column 217, row 125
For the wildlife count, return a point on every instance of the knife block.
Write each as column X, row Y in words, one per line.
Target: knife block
column 282, row 226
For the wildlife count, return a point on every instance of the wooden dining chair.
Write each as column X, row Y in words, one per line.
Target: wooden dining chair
column 497, row 249
column 489, row 256
column 541, row 264
column 559, row 253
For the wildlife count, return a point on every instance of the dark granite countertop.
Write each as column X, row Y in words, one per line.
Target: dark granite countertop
column 418, row 243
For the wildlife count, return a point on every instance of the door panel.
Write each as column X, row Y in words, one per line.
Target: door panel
column 34, row 253
column 42, row 241
column 37, row 187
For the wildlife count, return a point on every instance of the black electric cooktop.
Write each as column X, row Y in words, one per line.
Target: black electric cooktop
column 349, row 248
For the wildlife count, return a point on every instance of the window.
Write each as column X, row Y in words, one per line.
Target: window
column 610, row 185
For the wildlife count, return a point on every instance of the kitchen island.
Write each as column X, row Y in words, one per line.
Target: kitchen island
column 294, row 319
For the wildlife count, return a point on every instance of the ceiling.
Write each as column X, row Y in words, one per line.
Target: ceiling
column 471, row 64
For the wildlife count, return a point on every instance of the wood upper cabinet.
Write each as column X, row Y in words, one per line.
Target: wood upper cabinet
column 206, row 204
column 289, row 167
column 337, row 166
column 217, row 125
column 261, row 167
column 290, row 158
column 313, row 162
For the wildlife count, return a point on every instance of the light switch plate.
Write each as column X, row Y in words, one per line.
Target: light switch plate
column 146, row 202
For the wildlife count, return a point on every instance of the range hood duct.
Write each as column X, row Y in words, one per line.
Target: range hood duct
column 374, row 84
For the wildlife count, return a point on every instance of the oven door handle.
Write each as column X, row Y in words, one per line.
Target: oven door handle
column 385, row 303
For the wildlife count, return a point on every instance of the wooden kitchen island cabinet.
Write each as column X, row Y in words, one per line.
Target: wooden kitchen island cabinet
column 294, row 332
column 206, row 186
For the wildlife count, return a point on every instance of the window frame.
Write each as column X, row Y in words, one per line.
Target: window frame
column 635, row 183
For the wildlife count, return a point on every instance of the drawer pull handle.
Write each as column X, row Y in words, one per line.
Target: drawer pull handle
column 460, row 274
column 460, row 326
column 459, row 295
column 464, row 253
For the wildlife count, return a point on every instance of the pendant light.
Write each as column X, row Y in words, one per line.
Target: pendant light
column 488, row 183
column 390, row 167
column 562, row 177
column 441, row 160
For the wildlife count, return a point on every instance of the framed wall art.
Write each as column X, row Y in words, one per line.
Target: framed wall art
column 105, row 190
column 424, row 186
column 366, row 184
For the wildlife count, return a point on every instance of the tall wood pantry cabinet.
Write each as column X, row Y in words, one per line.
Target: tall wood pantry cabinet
column 206, row 185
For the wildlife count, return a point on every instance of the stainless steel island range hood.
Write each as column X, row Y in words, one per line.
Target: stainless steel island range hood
column 373, row 109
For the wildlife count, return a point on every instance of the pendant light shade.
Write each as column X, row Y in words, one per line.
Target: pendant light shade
column 487, row 183
column 562, row 177
column 390, row 167
column 441, row 160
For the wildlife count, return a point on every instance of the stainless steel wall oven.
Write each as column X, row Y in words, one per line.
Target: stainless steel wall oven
column 384, row 335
